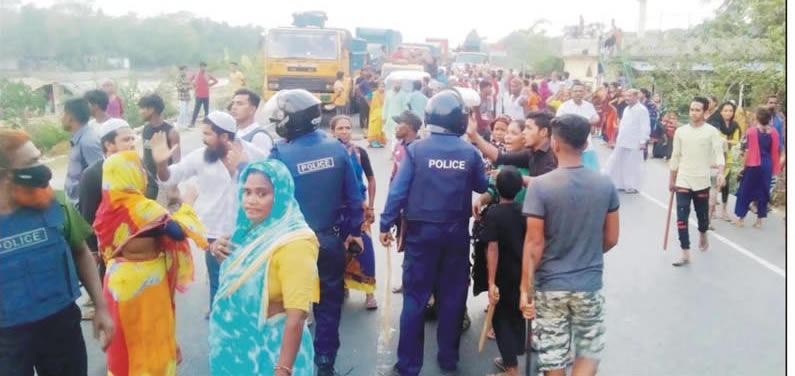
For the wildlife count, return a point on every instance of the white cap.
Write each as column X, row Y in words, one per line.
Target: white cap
column 223, row 120
column 112, row 125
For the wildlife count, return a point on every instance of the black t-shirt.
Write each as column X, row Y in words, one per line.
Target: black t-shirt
column 365, row 159
column 90, row 193
column 505, row 224
column 149, row 161
column 538, row 162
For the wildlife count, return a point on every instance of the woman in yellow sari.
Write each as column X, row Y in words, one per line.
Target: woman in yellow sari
column 148, row 257
column 375, row 129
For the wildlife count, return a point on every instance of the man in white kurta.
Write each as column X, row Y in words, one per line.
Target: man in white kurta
column 626, row 166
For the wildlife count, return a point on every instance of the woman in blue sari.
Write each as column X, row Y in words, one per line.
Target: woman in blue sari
column 267, row 283
column 360, row 266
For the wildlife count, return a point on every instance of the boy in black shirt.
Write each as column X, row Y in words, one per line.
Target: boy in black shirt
column 151, row 109
column 504, row 230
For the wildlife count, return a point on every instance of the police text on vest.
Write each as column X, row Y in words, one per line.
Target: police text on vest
column 316, row 165
column 447, row 164
column 24, row 239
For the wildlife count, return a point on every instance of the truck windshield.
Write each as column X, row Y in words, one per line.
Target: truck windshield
column 470, row 58
column 284, row 44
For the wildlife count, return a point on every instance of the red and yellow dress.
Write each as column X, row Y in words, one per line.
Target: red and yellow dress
column 140, row 293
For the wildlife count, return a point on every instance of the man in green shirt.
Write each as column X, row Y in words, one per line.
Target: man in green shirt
column 43, row 253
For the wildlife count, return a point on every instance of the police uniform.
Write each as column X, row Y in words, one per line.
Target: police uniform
column 325, row 182
column 39, row 321
column 434, row 187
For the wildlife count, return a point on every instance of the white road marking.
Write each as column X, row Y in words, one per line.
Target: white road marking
column 731, row 244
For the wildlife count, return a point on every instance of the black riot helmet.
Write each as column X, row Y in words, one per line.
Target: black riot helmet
column 447, row 110
column 294, row 113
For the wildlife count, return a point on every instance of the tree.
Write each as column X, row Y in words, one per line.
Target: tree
column 77, row 36
column 532, row 48
column 744, row 44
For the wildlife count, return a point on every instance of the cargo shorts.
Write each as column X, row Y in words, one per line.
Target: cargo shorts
column 566, row 320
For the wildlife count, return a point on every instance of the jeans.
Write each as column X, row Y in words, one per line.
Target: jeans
column 200, row 102
column 213, row 269
column 52, row 346
column 184, row 110
column 700, row 201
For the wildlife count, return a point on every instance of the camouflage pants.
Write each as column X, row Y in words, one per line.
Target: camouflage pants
column 566, row 319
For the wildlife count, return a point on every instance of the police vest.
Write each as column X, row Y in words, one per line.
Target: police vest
column 37, row 273
column 318, row 165
column 441, row 190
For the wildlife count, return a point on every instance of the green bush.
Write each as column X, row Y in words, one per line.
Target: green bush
column 18, row 102
column 46, row 134
column 129, row 98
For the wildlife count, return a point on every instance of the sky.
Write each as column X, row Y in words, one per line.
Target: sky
column 420, row 19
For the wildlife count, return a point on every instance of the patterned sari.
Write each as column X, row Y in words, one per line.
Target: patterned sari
column 243, row 339
column 140, row 293
column 359, row 269
column 375, row 128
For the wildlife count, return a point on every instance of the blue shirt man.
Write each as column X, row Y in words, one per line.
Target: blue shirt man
column 434, row 187
column 325, row 184
column 416, row 100
column 86, row 148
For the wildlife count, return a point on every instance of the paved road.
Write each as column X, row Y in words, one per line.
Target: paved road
column 721, row 315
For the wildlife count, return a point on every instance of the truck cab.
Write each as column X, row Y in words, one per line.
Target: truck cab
column 308, row 56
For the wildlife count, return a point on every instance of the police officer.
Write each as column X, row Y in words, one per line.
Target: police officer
column 43, row 254
column 325, row 184
column 434, row 187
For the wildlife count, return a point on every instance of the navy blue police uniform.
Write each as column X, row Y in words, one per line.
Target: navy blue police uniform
column 434, row 186
column 325, row 182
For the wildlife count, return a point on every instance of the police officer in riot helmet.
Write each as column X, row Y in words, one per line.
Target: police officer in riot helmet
column 433, row 187
column 325, row 184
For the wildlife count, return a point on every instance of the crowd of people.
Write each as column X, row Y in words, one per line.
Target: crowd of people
column 280, row 253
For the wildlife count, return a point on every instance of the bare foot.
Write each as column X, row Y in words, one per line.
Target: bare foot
column 758, row 223
column 703, row 245
column 684, row 260
column 371, row 303
column 739, row 222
